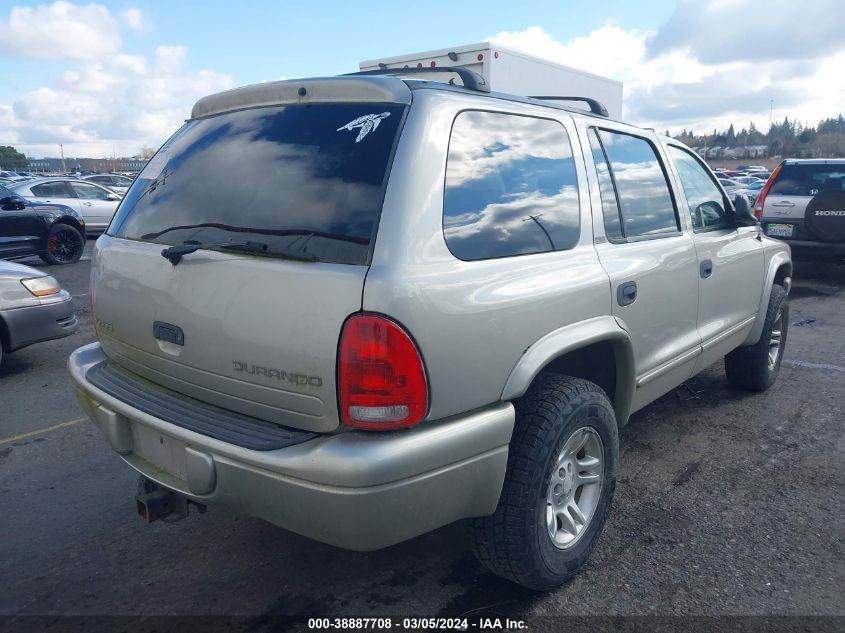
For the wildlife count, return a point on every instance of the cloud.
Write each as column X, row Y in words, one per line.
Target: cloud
column 691, row 86
column 107, row 101
column 719, row 32
column 60, row 31
column 136, row 20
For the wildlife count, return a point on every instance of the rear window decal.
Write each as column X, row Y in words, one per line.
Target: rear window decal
column 367, row 123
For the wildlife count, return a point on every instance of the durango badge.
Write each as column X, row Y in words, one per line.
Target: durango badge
column 277, row 374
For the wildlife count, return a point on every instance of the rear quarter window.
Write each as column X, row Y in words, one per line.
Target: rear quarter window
column 511, row 187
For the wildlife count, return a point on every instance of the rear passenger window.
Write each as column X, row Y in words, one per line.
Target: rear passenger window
column 511, row 187
column 52, row 189
column 642, row 190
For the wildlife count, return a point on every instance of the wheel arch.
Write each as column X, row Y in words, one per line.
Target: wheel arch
column 70, row 221
column 779, row 272
column 598, row 350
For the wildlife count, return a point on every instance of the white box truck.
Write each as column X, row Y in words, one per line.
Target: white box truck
column 510, row 71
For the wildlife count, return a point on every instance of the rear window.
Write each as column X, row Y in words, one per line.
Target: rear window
column 808, row 180
column 299, row 179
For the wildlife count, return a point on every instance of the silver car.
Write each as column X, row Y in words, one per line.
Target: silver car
column 803, row 203
column 409, row 303
column 114, row 182
column 33, row 308
column 94, row 202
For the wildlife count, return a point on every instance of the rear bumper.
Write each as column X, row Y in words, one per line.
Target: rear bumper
column 806, row 249
column 803, row 243
column 44, row 322
column 358, row 490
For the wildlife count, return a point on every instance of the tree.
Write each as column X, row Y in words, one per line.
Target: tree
column 12, row 159
column 145, row 152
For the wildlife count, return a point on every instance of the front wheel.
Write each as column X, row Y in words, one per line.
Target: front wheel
column 64, row 245
column 755, row 367
column 559, row 484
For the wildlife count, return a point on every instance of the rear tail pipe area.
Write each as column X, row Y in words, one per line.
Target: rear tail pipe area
column 154, row 502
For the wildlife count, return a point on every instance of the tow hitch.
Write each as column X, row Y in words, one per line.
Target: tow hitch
column 154, row 502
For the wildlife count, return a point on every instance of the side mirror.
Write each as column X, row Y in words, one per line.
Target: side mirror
column 112, row 197
column 12, row 203
column 743, row 215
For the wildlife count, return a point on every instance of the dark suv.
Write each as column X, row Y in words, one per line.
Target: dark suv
column 803, row 203
column 54, row 232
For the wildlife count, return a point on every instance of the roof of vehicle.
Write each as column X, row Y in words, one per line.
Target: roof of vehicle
column 27, row 184
column 814, row 161
column 37, row 181
column 360, row 88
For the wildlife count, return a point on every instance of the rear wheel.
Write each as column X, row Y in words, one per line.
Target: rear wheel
column 64, row 245
column 755, row 367
column 558, row 488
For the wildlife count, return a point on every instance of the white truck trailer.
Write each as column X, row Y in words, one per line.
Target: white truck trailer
column 506, row 70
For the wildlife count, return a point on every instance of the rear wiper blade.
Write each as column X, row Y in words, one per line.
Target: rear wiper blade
column 174, row 253
column 260, row 248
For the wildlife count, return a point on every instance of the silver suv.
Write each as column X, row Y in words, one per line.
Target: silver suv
column 803, row 203
column 365, row 307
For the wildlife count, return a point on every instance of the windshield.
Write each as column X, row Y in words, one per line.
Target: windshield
column 303, row 179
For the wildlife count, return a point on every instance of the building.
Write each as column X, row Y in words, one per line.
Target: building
column 54, row 165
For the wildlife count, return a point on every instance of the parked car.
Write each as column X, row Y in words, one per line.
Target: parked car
column 747, row 180
column 729, row 184
column 33, row 308
column 94, row 202
column 56, row 233
column 117, row 183
column 803, row 203
column 12, row 175
column 457, row 303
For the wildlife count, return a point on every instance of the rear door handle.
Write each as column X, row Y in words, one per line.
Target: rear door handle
column 626, row 293
column 705, row 268
column 87, row 204
column 783, row 204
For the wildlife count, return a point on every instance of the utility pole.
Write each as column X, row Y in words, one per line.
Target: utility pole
column 769, row 141
column 62, row 149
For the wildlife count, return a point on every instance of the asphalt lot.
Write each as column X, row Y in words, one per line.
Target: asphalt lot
column 727, row 503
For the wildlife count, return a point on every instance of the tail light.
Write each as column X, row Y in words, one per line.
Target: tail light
column 381, row 377
column 758, row 207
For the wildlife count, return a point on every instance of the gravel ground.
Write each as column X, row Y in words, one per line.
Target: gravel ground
column 727, row 504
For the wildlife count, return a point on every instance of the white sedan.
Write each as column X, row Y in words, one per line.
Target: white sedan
column 96, row 203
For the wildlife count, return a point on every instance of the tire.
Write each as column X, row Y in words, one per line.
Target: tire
column 755, row 367
column 64, row 245
column 516, row 542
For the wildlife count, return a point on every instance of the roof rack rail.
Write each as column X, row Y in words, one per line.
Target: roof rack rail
column 472, row 80
column 596, row 107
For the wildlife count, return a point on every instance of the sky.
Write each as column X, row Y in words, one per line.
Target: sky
column 108, row 78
